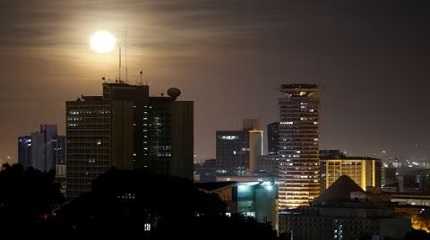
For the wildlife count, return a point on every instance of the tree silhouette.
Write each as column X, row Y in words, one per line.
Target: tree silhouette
column 27, row 197
column 137, row 203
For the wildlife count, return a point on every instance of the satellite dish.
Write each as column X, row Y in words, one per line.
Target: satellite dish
column 174, row 92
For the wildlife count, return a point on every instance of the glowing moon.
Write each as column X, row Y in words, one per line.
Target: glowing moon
column 102, row 42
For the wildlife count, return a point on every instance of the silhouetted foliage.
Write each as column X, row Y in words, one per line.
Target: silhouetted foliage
column 154, row 207
column 417, row 235
column 27, row 197
column 122, row 203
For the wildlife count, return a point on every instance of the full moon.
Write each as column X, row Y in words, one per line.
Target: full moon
column 102, row 42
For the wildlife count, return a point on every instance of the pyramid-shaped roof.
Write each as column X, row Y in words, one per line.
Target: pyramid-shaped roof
column 339, row 191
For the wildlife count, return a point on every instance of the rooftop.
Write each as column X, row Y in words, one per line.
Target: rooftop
column 339, row 191
column 210, row 186
column 299, row 86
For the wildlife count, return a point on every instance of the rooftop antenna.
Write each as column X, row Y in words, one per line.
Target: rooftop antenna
column 141, row 77
column 119, row 60
column 125, row 55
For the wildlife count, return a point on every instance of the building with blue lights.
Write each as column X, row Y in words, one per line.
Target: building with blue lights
column 43, row 149
column 24, row 151
column 250, row 199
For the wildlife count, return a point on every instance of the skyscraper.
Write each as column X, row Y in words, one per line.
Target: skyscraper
column 126, row 128
column 88, row 147
column 273, row 137
column 60, row 162
column 42, row 150
column 232, row 152
column 43, row 147
column 298, row 145
column 24, row 151
column 255, row 149
column 238, row 151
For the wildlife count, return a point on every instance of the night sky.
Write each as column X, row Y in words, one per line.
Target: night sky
column 371, row 59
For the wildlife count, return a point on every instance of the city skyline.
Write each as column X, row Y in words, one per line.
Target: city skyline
column 363, row 56
column 280, row 119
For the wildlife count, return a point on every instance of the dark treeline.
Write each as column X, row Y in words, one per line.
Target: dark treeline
column 122, row 203
column 128, row 204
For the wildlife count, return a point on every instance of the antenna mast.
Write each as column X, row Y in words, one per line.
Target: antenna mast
column 125, row 55
column 119, row 60
column 141, row 77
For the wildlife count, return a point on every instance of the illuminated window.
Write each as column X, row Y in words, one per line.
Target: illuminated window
column 249, row 214
column 147, row 227
column 229, row 137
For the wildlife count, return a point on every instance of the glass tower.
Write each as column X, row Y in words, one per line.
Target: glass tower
column 298, row 145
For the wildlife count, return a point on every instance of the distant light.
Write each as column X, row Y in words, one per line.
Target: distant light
column 268, row 186
column 229, row 137
column 243, row 188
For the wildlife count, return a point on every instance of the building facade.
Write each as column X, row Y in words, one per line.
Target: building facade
column 299, row 145
column 89, row 136
column 345, row 211
column 232, row 152
column 273, row 138
column 364, row 171
column 268, row 165
column 255, row 199
column 255, row 149
column 24, row 151
column 126, row 128
column 40, row 149
column 43, row 147
column 239, row 151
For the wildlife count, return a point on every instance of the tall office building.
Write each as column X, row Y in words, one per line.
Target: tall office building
column 364, row 171
column 126, row 128
column 24, row 151
column 60, row 162
column 298, row 145
column 232, row 152
column 40, row 149
column 255, row 149
column 43, row 147
column 273, row 137
column 239, row 151
column 88, row 146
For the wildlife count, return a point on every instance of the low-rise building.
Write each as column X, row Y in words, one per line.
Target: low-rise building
column 364, row 171
column 344, row 211
column 250, row 199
